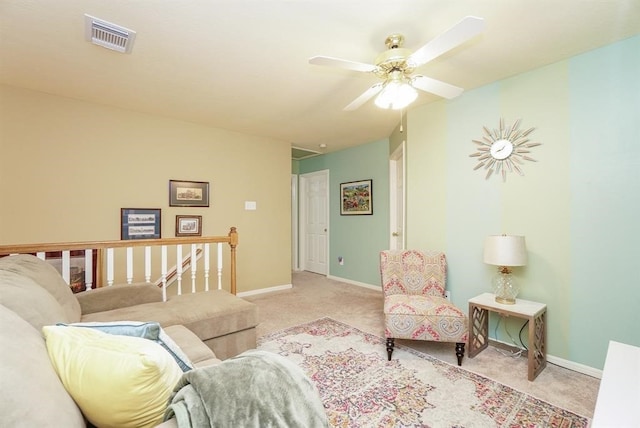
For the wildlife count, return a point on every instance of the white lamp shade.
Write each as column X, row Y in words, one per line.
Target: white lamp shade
column 505, row 250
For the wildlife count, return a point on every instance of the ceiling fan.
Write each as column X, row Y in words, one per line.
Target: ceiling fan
column 396, row 65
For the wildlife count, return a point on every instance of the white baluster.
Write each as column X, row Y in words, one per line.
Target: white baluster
column 110, row 266
column 163, row 270
column 88, row 269
column 147, row 264
column 179, row 267
column 194, row 265
column 129, row 265
column 66, row 266
column 219, row 265
column 206, row 267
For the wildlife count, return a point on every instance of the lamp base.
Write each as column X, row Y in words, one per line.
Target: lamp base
column 505, row 301
column 505, row 287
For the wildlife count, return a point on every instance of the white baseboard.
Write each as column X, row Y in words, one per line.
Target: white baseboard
column 576, row 367
column 571, row 365
column 265, row 290
column 359, row 284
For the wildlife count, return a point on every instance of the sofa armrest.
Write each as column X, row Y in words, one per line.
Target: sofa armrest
column 118, row 296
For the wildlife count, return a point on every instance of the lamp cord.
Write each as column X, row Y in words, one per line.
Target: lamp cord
column 511, row 354
column 520, row 335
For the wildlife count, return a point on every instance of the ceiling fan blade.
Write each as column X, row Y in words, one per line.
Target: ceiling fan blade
column 464, row 30
column 436, row 87
column 342, row 63
column 366, row 96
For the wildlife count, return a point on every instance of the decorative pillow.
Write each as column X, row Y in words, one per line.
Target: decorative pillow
column 146, row 330
column 117, row 381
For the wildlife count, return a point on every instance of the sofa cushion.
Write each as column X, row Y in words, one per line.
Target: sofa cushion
column 118, row 381
column 30, row 301
column 32, row 394
column 117, row 296
column 208, row 314
column 199, row 353
column 46, row 276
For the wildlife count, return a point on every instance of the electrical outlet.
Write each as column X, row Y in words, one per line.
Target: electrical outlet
column 340, row 260
column 447, row 295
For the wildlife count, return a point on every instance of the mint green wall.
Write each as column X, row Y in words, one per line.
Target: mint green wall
column 605, row 197
column 358, row 239
column 576, row 206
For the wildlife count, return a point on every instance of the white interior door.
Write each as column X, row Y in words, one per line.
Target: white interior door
column 397, row 198
column 294, row 222
column 314, row 218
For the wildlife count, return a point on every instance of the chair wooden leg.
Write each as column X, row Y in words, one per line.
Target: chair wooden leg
column 390, row 345
column 459, row 352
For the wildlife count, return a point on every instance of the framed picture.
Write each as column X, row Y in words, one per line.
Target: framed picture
column 188, row 225
column 140, row 223
column 356, row 198
column 188, row 193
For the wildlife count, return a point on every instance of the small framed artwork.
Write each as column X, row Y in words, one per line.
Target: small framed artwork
column 188, row 225
column 188, row 193
column 140, row 223
column 356, row 198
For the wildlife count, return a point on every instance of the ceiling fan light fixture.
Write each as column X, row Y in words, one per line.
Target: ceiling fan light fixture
column 396, row 95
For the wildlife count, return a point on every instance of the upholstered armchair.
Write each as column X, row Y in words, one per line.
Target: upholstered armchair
column 415, row 307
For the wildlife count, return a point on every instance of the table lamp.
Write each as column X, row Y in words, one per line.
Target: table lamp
column 505, row 251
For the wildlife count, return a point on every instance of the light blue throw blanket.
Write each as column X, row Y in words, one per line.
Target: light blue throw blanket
column 254, row 389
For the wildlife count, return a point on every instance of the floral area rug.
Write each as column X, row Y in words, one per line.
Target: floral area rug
column 360, row 388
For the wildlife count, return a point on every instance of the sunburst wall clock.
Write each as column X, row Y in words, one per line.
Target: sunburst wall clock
column 503, row 150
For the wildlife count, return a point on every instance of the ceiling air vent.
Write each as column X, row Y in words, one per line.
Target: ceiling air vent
column 108, row 35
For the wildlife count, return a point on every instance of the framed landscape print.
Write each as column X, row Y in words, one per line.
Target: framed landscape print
column 356, row 198
column 140, row 223
column 188, row 193
column 188, row 225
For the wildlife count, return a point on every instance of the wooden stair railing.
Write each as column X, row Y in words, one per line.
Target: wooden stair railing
column 99, row 258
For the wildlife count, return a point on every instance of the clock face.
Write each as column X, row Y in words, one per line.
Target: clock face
column 504, row 150
column 501, row 149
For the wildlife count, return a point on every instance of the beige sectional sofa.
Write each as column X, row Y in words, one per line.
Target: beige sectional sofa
column 207, row 326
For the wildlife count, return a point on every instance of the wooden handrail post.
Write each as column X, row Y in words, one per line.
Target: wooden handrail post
column 233, row 242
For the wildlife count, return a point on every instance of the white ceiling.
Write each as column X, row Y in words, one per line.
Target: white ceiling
column 243, row 65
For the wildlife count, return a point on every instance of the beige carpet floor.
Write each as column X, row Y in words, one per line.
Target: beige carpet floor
column 314, row 296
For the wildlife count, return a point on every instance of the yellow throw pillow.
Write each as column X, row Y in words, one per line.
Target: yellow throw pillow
column 117, row 381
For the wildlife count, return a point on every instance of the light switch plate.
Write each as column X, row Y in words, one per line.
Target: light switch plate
column 250, row 205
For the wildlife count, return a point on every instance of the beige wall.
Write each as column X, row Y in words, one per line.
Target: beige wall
column 67, row 167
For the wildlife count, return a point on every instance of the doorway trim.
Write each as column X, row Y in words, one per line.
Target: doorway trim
column 294, row 223
column 397, row 202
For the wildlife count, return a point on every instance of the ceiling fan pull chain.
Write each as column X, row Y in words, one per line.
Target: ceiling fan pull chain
column 401, row 114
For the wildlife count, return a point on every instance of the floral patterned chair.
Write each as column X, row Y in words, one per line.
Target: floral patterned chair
column 413, row 283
